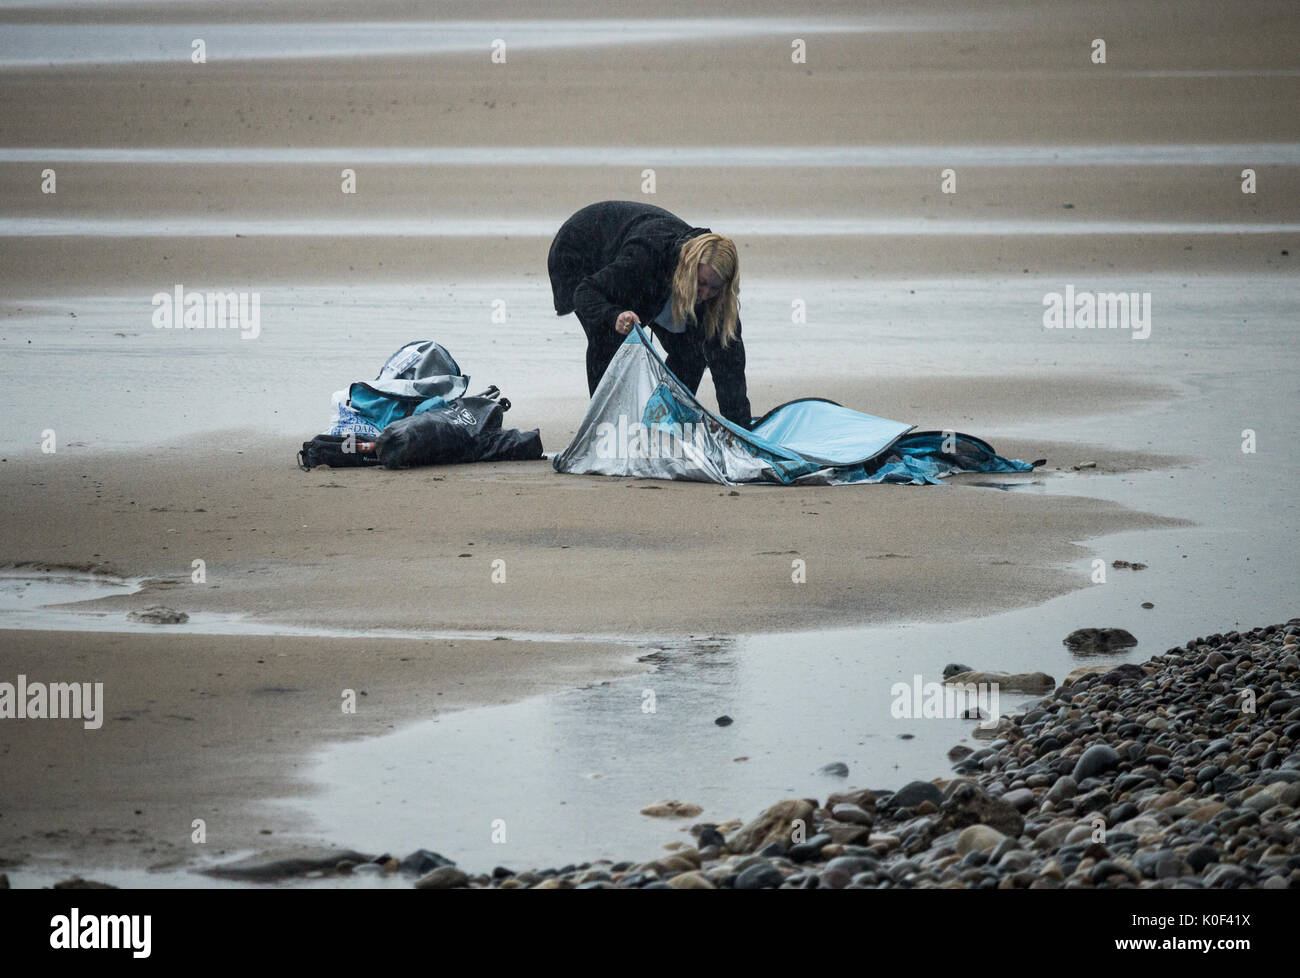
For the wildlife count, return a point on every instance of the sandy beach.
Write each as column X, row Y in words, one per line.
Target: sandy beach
column 924, row 306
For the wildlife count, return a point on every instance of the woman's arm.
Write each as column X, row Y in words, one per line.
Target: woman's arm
column 727, row 365
column 601, row 296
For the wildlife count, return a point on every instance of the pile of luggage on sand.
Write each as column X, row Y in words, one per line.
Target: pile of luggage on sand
column 418, row 412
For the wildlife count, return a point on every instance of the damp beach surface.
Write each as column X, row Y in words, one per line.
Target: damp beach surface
column 863, row 281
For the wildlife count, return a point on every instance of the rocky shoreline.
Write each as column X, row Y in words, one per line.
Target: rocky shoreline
column 1180, row 772
column 1183, row 771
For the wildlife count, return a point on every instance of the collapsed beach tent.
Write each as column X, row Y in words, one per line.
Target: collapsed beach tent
column 644, row 422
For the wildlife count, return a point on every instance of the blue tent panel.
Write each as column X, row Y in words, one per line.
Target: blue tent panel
column 826, row 432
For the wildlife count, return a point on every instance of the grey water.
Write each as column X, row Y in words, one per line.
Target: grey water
column 204, row 226
column 215, row 380
column 39, row 45
column 805, row 155
column 36, row 600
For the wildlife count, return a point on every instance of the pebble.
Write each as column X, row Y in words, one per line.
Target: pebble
column 853, row 865
column 1095, row 760
column 848, row 812
column 710, row 836
column 442, row 878
column 811, row 849
column 77, row 883
column 1015, row 861
column 671, row 809
column 1225, row 874
column 916, row 792
column 776, row 824
column 1018, row 682
column 760, row 876
column 693, row 880
column 1021, row 799
column 1092, row 641
column 159, row 615
column 978, row 838
column 833, row 879
column 422, row 861
column 1093, row 801
column 1079, row 833
column 1064, row 788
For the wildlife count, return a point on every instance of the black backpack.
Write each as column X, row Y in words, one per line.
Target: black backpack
column 466, row 430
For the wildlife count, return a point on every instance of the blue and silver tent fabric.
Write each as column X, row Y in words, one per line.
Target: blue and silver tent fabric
column 644, row 422
column 421, row 376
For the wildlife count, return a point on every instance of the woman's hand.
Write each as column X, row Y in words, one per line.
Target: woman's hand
column 623, row 324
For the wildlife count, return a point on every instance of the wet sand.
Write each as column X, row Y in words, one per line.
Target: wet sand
column 418, row 549
column 331, row 548
column 208, row 727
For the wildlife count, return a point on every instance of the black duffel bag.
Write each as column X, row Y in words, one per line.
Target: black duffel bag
column 466, row 430
column 337, row 451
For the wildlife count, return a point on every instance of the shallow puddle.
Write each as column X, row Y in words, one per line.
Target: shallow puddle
column 35, row 45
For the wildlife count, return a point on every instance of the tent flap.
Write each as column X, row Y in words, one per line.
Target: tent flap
column 645, row 423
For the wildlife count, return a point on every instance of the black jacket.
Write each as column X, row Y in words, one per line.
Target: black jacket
column 621, row 254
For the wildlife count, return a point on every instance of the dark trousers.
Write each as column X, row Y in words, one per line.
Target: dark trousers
column 685, row 359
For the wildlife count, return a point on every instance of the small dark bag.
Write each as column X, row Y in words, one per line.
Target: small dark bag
column 466, row 430
column 337, row 451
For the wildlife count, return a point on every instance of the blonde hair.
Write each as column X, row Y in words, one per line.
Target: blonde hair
column 723, row 310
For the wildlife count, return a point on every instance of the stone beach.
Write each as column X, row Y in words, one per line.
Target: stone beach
column 1180, row 772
